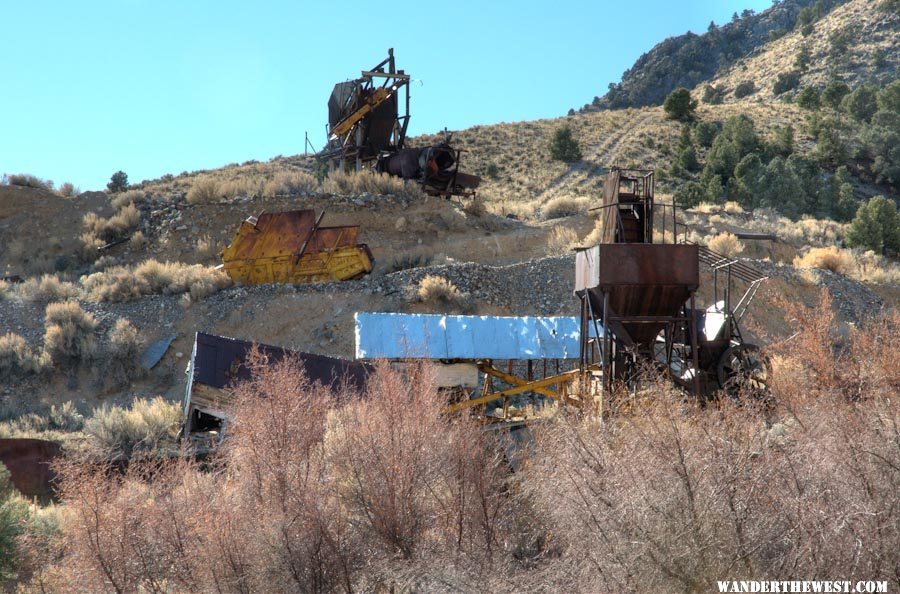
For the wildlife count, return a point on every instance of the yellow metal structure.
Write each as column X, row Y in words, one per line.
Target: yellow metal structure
column 521, row 386
column 345, row 125
column 291, row 247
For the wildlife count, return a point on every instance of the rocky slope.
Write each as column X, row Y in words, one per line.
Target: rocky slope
column 756, row 47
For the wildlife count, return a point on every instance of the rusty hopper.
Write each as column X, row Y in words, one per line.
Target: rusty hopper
column 292, row 247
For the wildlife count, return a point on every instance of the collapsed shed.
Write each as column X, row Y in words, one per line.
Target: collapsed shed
column 218, row 362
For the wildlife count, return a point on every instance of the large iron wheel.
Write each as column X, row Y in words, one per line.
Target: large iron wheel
column 743, row 371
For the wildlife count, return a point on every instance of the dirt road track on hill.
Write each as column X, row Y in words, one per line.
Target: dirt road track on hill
column 601, row 154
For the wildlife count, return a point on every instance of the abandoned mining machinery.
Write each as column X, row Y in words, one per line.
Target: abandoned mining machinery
column 638, row 295
column 367, row 122
column 638, row 310
column 294, row 247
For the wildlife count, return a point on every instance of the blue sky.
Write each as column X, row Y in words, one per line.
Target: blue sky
column 154, row 87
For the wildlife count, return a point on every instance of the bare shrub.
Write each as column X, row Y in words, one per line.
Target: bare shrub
column 822, row 362
column 419, row 481
column 865, row 266
column 17, row 357
column 667, row 496
column 733, row 207
column 291, row 183
column 829, row 258
column 373, row 491
column 248, row 185
column 407, row 261
column 564, row 206
column 119, row 357
column 28, row 181
column 437, row 290
column 69, row 334
column 46, row 288
column 206, row 247
column 707, row 208
column 68, row 190
column 137, row 240
column 65, row 417
column 115, row 227
column 140, row 429
column 474, row 208
column 595, row 236
column 152, row 277
column 726, row 244
column 123, row 199
column 561, row 240
column 341, row 481
column 356, row 182
column 90, row 246
column 204, row 190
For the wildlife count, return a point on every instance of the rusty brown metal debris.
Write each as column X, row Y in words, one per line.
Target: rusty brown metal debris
column 293, row 247
column 28, row 462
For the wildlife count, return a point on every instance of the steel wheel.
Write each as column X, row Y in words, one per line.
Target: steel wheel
column 744, row 371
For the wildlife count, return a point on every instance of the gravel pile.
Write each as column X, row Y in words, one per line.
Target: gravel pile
column 853, row 299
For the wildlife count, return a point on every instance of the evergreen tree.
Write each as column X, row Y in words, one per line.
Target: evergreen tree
column 876, row 227
column 564, row 147
column 679, row 105
column 118, row 182
column 834, row 92
column 782, row 190
column 808, row 99
column 749, row 181
column 689, row 195
column 861, row 104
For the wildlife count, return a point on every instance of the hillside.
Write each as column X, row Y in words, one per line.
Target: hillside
column 856, row 42
column 742, row 50
column 508, row 251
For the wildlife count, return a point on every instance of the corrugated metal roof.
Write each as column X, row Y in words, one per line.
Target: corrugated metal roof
column 435, row 336
column 219, row 361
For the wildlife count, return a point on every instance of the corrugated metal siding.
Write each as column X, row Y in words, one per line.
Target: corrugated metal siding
column 435, row 336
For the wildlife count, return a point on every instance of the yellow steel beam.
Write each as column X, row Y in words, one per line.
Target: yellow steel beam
column 372, row 102
column 516, row 381
column 526, row 387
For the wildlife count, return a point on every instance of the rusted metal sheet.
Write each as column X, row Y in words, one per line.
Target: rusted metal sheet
column 291, row 247
column 637, row 264
column 28, row 462
column 644, row 283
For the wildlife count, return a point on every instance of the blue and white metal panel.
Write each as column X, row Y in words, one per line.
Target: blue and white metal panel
column 435, row 336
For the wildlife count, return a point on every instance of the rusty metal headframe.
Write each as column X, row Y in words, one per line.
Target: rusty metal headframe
column 364, row 115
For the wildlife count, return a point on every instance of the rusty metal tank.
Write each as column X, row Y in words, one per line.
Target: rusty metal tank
column 293, row 247
column 29, row 464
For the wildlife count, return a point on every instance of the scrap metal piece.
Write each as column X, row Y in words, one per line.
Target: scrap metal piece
column 292, row 247
column 436, row 336
column 218, row 362
column 28, row 462
column 154, row 353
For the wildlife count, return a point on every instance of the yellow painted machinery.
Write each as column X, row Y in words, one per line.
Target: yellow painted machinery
column 293, row 247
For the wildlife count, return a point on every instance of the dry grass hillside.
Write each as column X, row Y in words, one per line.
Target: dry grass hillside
column 855, row 42
column 527, row 180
